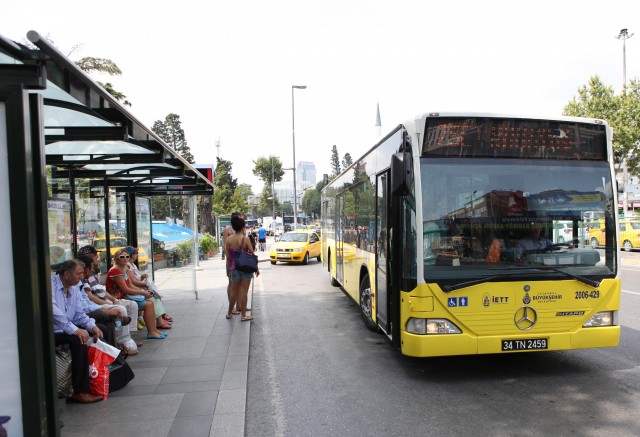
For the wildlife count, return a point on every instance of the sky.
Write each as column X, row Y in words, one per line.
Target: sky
column 227, row 67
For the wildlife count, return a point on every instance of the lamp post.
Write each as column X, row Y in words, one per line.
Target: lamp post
column 293, row 137
column 273, row 194
column 624, row 36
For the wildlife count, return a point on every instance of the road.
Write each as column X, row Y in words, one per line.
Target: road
column 315, row 370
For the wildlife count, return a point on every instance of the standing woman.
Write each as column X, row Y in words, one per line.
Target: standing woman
column 240, row 281
column 120, row 286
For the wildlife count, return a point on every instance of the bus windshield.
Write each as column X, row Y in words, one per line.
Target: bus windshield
column 486, row 217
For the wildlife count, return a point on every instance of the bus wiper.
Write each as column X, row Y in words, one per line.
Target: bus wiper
column 450, row 288
column 594, row 284
column 458, row 286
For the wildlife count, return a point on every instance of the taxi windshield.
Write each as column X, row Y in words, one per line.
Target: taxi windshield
column 295, row 237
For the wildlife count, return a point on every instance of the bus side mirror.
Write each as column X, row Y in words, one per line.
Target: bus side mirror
column 401, row 173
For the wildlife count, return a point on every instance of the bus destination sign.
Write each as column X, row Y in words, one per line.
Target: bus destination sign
column 484, row 137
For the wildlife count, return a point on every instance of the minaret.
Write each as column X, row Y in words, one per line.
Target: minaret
column 378, row 122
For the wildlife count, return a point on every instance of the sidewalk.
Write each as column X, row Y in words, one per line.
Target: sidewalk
column 194, row 382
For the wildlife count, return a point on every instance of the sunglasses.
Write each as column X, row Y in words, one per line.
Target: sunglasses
column 123, row 256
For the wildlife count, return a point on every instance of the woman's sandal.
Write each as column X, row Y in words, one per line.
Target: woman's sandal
column 167, row 317
column 229, row 316
column 245, row 319
column 163, row 326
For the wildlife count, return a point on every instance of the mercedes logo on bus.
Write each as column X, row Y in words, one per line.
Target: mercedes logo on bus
column 525, row 318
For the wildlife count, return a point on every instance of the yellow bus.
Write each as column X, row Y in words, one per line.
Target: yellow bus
column 443, row 232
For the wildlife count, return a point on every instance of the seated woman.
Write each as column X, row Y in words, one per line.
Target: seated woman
column 163, row 321
column 120, row 286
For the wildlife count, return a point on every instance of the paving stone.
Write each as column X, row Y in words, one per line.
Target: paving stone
column 189, row 387
column 231, row 401
column 228, row 425
column 191, row 426
column 201, row 403
column 234, row 379
column 193, row 373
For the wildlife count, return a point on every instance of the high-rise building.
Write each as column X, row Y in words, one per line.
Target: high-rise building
column 306, row 171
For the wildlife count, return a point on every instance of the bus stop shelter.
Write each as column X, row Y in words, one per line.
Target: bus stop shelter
column 75, row 166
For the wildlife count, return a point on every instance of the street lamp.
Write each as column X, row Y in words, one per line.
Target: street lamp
column 624, row 36
column 293, row 137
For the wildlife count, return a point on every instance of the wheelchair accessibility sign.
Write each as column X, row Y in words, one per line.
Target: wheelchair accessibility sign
column 457, row 301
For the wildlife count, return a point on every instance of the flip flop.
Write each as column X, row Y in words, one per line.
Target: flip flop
column 228, row 316
column 235, row 313
column 155, row 337
column 245, row 319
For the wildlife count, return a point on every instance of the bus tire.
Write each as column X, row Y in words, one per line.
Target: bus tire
column 273, row 263
column 627, row 245
column 594, row 243
column 366, row 307
column 319, row 259
column 305, row 261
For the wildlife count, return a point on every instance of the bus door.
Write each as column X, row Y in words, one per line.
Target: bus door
column 382, row 249
column 340, row 223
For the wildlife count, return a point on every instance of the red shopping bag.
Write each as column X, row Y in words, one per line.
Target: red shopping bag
column 101, row 355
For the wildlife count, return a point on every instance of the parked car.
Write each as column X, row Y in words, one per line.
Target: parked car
column 630, row 234
column 296, row 247
column 597, row 233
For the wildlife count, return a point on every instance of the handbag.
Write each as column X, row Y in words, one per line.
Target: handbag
column 120, row 374
column 136, row 297
column 63, row 371
column 245, row 262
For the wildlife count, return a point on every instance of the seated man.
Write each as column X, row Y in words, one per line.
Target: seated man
column 72, row 326
column 535, row 242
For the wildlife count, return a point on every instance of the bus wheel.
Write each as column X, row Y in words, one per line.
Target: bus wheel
column 365, row 304
column 305, row 261
column 627, row 245
column 594, row 243
column 319, row 259
column 273, row 262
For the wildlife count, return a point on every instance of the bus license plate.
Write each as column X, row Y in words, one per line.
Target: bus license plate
column 525, row 344
column 284, row 255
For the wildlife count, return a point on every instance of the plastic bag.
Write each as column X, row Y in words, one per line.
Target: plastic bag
column 101, row 355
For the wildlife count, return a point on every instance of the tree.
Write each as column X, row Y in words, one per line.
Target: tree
column 311, row 200
column 622, row 112
column 224, row 187
column 107, row 66
column 171, row 132
column 268, row 170
column 335, row 161
column 347, row 160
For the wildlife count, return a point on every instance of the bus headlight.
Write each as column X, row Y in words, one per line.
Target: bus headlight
column 605, row 318
column 300, row 249
column 432, row 326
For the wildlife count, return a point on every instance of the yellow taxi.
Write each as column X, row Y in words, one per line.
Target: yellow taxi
column 296, row 247
column 596, row 233
column 630, row 234
column 118, row 243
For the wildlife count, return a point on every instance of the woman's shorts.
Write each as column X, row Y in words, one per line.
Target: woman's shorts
column 237, row 275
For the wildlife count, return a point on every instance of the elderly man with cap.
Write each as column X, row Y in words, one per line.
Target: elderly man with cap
column 72, row 326
column 126, row 310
